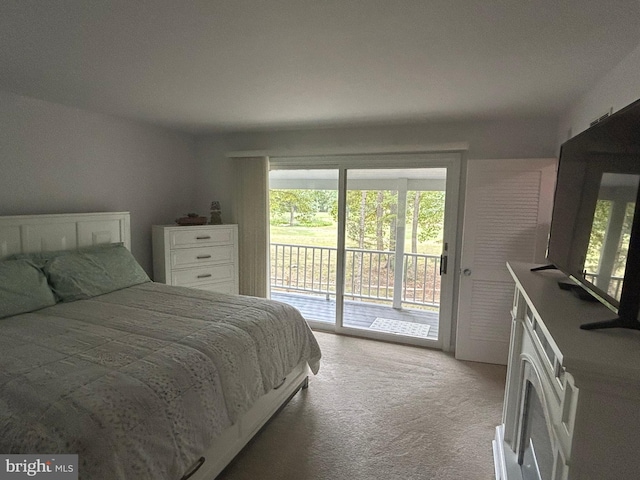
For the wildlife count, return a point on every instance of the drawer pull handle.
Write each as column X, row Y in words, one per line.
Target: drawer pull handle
column 204, row 237
column 204, row 275
column 200, row 257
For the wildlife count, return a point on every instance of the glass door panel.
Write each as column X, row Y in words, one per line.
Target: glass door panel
column 393, row 245
column 303, row 251
column 359, row 250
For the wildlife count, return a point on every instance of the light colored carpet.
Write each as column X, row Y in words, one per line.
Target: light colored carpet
column 399, row 326
column 381, row 411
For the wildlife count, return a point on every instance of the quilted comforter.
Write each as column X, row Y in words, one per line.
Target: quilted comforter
column 138, row 382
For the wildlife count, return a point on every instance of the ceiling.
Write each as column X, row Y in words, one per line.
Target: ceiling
column 220, row 65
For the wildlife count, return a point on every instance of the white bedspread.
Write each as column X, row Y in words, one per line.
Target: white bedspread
column 139, row 381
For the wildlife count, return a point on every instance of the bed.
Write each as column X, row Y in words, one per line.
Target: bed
column 140, row 379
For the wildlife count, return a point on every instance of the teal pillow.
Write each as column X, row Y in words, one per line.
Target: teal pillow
column 23, row 288
column 88, row 273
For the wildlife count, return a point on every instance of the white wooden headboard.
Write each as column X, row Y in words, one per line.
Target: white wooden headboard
column 45, row 233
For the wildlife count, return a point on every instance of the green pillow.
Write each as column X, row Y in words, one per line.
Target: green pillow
column 41, row 258
column 23, row 288
column 88, row 273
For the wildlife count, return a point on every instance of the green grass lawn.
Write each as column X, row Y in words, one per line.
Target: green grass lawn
column 317, row 236
column 326, row 236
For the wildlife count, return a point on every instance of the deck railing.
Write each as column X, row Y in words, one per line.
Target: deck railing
column 615, row 283
column 369, row 274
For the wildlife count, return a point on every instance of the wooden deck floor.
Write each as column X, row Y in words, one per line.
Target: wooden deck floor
column 356, row 314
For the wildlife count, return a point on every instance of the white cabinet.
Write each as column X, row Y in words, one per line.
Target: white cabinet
column 572, row 396
column 507, row 215
column 204, row 257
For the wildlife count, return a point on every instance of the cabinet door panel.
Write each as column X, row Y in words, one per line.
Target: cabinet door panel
column 507, row 216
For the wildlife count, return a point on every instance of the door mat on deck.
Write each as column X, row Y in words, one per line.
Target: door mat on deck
column 400, row 327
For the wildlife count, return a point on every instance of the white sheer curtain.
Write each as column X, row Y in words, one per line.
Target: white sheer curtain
column 251, row 212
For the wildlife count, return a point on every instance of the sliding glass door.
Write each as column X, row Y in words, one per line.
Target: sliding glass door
column 394, row 251
column 304, row 235
column 366, row 251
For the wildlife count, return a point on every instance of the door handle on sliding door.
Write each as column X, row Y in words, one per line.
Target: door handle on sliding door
column 443, row 264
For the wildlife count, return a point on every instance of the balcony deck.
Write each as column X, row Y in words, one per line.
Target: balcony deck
column 356, row 314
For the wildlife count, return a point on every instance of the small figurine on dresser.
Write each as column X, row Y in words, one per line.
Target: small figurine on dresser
column 216, row 213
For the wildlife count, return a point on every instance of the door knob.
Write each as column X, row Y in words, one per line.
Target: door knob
column 466, row 272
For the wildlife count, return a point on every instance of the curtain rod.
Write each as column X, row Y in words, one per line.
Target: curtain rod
column 316, row 152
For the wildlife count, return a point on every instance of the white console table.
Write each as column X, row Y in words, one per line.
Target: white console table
column 588, row 383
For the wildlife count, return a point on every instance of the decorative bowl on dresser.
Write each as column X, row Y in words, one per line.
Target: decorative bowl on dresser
column 204, row 257
column 191, row 219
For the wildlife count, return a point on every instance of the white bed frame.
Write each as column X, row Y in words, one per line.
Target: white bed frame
column 48, row 233
column 234, row 438
column 41, row 233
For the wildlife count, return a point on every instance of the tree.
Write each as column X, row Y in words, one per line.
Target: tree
column 299, row 205
column 625, row 238
column 415, row 217
column 430, row 215
column 599, row 233
column 596, row 238
column 370, row 213
column 380, row 220
column 374, row 224
column 324, row 200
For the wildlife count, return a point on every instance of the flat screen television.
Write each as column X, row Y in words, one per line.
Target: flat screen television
column 595, row 226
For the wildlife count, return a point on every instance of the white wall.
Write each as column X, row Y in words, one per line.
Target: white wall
column 617, row 89
column 215, row 175
column 506, row 138
column 57, row 159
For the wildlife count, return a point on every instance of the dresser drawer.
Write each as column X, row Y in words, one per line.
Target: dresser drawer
column 214, row 273
column 187, row 237
column 201, row 256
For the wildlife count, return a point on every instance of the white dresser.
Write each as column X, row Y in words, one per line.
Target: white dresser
column 204, row 257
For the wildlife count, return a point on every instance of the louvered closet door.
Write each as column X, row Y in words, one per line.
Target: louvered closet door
column 507, row 215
